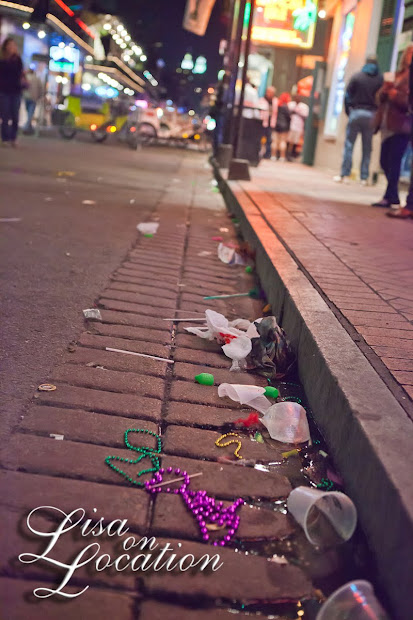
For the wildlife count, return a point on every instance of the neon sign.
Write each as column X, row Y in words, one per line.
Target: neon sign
column 287, row 23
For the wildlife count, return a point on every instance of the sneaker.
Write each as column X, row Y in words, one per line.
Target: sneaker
column 339, row 179
column 364, row 182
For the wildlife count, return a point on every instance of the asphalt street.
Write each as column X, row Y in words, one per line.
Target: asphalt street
column 58, row 255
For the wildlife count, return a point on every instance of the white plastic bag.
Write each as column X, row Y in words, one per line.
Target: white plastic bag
column 148, row 228
column 216, row 324
column 250, row 395
column 287, row 422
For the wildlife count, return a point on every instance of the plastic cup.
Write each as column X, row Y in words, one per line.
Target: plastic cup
column 353, row 601
column 327, row 518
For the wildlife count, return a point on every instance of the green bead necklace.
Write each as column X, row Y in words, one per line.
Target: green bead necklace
column 143, row 451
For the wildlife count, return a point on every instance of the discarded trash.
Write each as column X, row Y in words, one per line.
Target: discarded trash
column 214, row 182
column 251, row 395
column 67, row 253
column 353, row 601
column 287, row 422
column 267, row 308
column 327, row 518
column 46, row 387
column 149, row 487
column 252, row 420
column 92, row 313
column 237, row 349
column 88, row 202
column 228, row 255
column 152, row 357
column 132, row 201
column 217, row 327
column 278, row 559
column 60, row 437
column 217, row 238
column 294, row 452
column 66, row 173
column 223, row 229
column 271, row 354
column 148, row 235
column 204, row 253
column 189, row 319
column 204, row 378
column 258, row 437
column 148, row 228
column 10, row 219
column 248, row 269
column 254, row 293
column 272, row 392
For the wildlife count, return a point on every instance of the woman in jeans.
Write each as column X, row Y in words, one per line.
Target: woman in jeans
column 11, row 77
column 394, row 120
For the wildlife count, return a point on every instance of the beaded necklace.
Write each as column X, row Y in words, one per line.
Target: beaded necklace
column 144, row 451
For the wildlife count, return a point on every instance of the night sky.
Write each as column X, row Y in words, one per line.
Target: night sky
column 154, row 22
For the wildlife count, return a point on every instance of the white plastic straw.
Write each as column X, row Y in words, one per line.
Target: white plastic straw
column 152, row 357
column 161, row 484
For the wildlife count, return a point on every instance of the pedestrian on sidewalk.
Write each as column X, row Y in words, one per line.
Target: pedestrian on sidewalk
column 299, row 112
column 31, row 95
column 394, row 120
column 361, row 107
column 269, row 117
column 406, row 212
column 11, row 84
column 282, row 127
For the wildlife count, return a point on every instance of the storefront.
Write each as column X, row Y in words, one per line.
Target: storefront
column 355, row 33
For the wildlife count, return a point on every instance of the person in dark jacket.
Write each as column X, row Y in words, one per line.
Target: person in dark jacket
column 282, row 126
column 11, row 84
column 360, row 106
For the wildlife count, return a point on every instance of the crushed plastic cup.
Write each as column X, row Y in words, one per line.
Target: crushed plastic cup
column 148, row 228
column 92, row 313
column 327, row 518
column 287, row 422
column 250, row 395
column 353, row 601
column 237, row 350
column 229, row 256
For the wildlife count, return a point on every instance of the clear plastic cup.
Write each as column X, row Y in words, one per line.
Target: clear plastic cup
column 327, row 518
column 353, row 601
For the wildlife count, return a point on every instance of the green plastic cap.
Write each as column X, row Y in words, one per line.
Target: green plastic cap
column 272, row 392
column 248, row 269
column 205, row 378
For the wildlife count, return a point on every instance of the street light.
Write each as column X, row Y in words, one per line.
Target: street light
column 143, row 58
column 41, row 34
column 107, row 26
column 26, row 26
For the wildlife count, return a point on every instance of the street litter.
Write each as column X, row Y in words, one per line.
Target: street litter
column 161, row 484
column 237, row 441
column 60, row 437
column 327, row 518
column 148, row 228
column 204, row 253
column 250, row 395
column 287, row 422
column 252, row 420
column 92, row 313
column 223, row 229
column 228, row 255
column 46, row 387
column 188, row 319
column 217, row 238
column 214, row 182
column 10, row 219
column 204, row 378
column 132, row 201
column 294, row 452
column 271, row 353
column 355, row 600
column 254, row 293
column 88, row 202
column 152, row 357
column 66, row 173
column 248, row 269
column 237, row 348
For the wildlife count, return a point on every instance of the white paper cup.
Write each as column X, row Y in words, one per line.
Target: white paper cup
column 353, row 601
column 327, row 518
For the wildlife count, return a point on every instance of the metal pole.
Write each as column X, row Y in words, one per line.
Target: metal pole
column 238, row 120
column 238, row 21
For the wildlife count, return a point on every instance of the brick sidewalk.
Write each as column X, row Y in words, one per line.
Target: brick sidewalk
column 359, row 259
column 101, row 394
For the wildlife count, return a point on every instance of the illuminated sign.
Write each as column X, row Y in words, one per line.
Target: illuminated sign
column 200, row 65
column 65, row 59
column 287, row 23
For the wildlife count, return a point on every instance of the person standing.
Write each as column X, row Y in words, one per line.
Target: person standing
column 360, row 106
column 282, row 127
column 299, row 112
column 394, row 121
column 11, row 82
column 269, row 118
column 31, row 95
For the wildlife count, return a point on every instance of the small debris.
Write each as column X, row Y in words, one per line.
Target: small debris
column 278, row 559
column 92, row 313
column 148, row 228
column 132, row 201
column 60, row 437
column 46, row 387
column 223, row 229
column 88, row 202
column 66, row 173
column 153, row 357
column 10, row 219
column 48, row 199
column 204, row 378
column 204, row 253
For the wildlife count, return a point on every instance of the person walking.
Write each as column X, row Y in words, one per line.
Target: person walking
column 269, row 117
column 360, row 106
column 282, row 127
column 394, row 121
column 299, row 112
column 11, row 83
column 31, row 95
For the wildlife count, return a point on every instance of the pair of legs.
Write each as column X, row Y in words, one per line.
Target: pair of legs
column 359, row 122
column 9, row 115
column 407, row 211
column 268, row 137
column 392, row 151
column 30, row 109
column 279, row 143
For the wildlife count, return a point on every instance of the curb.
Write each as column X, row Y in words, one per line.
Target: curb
column 368, row 433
